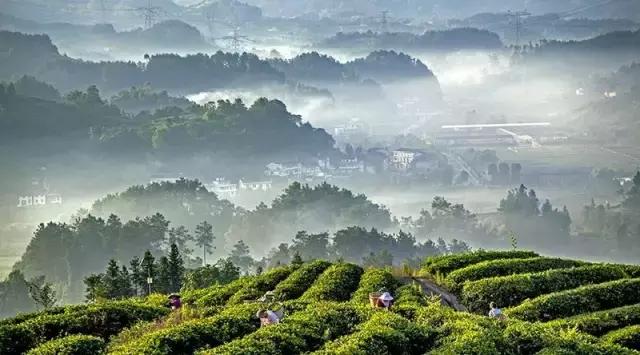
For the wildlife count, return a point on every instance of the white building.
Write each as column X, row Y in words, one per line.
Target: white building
column 223, row 188
column 255, row 185
column 39, row 199
column 401, row 159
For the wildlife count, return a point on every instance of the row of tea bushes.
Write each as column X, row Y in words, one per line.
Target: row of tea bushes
column 260, row 284
column 231, row 323
column 300, row 280
column 101, row 320
column 384, row 333
column 374, row 280
column 337, row 283
column 443, row 265
column 300, row 333
column 507, row 291
column 580, row 300
column 505, row 267
column 629, row 337
column 601, row 322
column 78, row 344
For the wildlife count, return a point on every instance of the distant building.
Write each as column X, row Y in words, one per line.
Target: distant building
column 297, row 170
column 223, row 188
column 402, row 159
column 255, row 185
column 38, row 199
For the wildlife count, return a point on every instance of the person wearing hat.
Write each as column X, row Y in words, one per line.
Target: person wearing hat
column 495, row 312
column 385, row 300
column 267, row 317
column 174, row 301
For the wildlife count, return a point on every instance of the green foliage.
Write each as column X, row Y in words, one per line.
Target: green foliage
column 71, row 345
column 221, row 273
column 601, row 322
column 493, row 268
column 629, row 337
column 507, row 291
column 580, row 300
column 185, row 338
column 300, row 280
column 260, row 284
column 301, row 332
column 384, row 333
column 102, row 320
column 374, row 280
column 218, row 295
column 336, row 283
column 449, row 263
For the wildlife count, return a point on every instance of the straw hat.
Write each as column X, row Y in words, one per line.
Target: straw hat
column 386, row 297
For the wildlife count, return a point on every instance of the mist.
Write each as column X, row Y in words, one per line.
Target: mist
column 277, row 122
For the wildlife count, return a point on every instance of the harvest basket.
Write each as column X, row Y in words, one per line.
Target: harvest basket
column 373, row 298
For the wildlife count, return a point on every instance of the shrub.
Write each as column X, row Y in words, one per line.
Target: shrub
column 337, row 283
column 535, row 338
column 599, row 323
column 22, row 317
column 504, row 267
column 509, row 291
column 260, row 284
column 300, row 280
column 71, row 345
column 102, row 320
column 443, row 265
column 629, row 337
column 219, row 295
column 302, row 332
column 233, row 322
column 584, row 299
column 384, row 333
column 373, row 280
column 408, row 299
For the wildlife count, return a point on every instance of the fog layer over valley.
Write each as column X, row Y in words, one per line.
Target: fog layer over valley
column 249, row 134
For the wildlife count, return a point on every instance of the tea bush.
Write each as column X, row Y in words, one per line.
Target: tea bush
column 509, row 291
column 337, row 283
column 300, row 280
column 384, row 333
column 302, row 332
column 629, row 337
column 102, row 320
column 260, row 284
column 443, row 265
column 233, row 322
column 504, row 267
column 374, row 280
column 601, row 322
column 580, row 300
column 71, row 345
column 219, row 295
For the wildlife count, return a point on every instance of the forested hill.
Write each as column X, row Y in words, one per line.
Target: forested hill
column 552, row 306
column 86, row 121
column 438, row 41
column 37, row 56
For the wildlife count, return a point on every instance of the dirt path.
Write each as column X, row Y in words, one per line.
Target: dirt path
column 449, row 299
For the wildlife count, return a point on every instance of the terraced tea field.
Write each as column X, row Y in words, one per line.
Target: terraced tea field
column 554, row 306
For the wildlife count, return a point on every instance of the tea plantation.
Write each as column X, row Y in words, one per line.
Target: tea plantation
column 552, row 306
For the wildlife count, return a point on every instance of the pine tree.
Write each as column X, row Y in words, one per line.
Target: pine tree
column 111, row 280
column 204, row 239
column 297, row 260
column 176, row 269
column 163, row 283
column 138, row 280
column 125, row 287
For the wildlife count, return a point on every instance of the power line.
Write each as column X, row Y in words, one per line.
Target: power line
column 517, row 16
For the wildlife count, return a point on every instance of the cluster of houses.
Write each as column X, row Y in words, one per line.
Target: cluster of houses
column 38, row 194
column 226, row 189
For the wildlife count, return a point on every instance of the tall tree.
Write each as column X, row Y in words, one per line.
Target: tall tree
column 176, row 269
column 204, row 239
column 149, row 271
column 241, row 257
column 162, row 284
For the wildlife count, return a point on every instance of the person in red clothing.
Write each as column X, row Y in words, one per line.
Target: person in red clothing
column 385, row 300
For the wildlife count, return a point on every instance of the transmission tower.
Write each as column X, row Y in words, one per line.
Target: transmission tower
column 150, row 13
column 517, row 18
column 103, row 12
column 384, row 22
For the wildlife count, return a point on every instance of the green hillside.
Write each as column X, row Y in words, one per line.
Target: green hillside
column 553, row 306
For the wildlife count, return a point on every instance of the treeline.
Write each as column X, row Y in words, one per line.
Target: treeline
column 449, row 40
column 86, row 120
